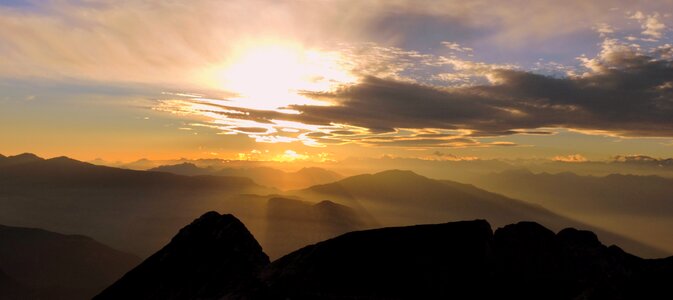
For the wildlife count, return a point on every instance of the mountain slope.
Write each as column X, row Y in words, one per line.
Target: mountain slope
column 68, row 266
column 402, row 198
column 265, row 176
column 465, row 260
column 66, row 195
column 12, row 290
column 188, row 169
column 638, row 206
column 616, row 193
column 215, row 257
column 18, row 159
column 292, row 224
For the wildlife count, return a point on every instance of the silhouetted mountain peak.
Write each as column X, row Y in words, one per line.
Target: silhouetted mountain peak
column 26, row 156
column 398, row 173
column 387, row 178
column 185, row 168
column 584, row 238
column 213, row 226
column 20, row 159
column 327, row 203
column 66, row 161
column 214, row 257
column 318, row 172
column 524, row 231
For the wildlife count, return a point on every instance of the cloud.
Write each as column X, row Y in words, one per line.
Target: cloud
column 651, row 24
column 643, row 159
column 572, row 158
column 456, row 47
column 438, row 155
column 604, row 29
column 173, row 42
column 626, row 92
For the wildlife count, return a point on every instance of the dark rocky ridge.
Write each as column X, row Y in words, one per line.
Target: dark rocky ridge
column 10, row 289
column 463, row 260
column 215, row 257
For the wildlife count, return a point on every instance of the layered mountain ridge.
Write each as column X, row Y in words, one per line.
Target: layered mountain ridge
column 463, row 259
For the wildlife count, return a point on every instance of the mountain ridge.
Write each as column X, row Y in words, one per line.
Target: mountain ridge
column 70, row 266
column 464, row 259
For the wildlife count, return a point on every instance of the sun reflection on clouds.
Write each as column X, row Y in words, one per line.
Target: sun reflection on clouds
column 269, row 84
column 273, row 75
column 284, row 156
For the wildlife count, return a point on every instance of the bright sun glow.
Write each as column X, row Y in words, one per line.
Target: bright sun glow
column 271, row 76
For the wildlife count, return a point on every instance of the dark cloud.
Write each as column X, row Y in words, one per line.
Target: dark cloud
column 633, row 99
column 424, row 143
column 643, row 160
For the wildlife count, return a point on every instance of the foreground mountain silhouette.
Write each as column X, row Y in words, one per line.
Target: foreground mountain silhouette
column 215, row 257
column 12, row 290
column 49, row 265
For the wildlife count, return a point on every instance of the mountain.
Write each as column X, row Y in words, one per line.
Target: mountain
column 58, row 266
column 66, row 195
column 292, row 224
column 18, row 159
column 265, row 176
column 188, row 169
column 637, row 206
column 417, row 262
column 397, row 198
column 12, row 290
column 215, row 257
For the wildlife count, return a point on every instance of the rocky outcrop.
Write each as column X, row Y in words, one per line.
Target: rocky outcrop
column 417, row 262
column 215, row 257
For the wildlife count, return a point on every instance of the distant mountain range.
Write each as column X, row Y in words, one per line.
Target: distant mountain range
column 39, row 264
column 637, row 206
column 216, row 257
column 265, row 176
column 294, row 224
column 67, row 195
column 398, row 198
column 106, row 203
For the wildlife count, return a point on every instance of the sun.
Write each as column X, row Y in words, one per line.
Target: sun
column 271, row 76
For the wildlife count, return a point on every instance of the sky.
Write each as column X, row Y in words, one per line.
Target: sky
column 327, row 80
